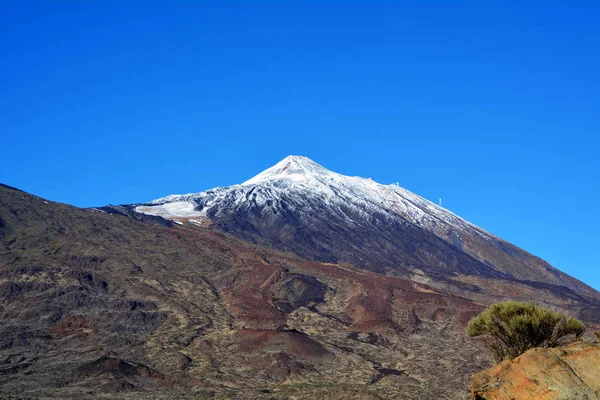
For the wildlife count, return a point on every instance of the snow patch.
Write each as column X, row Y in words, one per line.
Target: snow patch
column 176, row 209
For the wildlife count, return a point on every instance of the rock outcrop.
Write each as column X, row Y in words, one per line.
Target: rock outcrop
column 563, row 373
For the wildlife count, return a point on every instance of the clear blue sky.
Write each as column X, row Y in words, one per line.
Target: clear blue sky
column 494, row 106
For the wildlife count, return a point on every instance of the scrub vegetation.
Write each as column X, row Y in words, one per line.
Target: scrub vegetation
column 512, row 327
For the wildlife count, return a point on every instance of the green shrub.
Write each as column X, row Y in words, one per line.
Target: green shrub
column 511, row 328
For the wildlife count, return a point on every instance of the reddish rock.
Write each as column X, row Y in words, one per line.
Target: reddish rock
column 562, row 373
column 73, row 326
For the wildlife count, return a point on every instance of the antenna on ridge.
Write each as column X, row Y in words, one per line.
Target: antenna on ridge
column 441, row 202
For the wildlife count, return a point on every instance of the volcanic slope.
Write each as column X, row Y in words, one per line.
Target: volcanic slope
column 102, row 305
column 300, row 206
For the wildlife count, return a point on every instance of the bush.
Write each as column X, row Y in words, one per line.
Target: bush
column 512, row 327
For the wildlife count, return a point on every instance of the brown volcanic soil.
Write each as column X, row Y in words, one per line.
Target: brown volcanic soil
column 97, row 305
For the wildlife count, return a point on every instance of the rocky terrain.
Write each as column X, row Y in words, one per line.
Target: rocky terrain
column 98, row 304
column 168, row 300
column 563, row 373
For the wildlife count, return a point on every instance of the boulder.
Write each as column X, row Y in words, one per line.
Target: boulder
column 567, row 372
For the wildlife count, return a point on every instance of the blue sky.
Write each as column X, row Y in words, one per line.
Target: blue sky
column 493, row 106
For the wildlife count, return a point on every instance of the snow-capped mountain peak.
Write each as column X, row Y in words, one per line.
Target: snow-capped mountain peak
column 294, row 168
column 299, row 184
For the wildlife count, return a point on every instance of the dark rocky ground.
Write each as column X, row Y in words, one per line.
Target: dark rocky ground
column 100, row 305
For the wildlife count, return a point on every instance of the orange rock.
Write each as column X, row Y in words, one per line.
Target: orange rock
column 562, row 373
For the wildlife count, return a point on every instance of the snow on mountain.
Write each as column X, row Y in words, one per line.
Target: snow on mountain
column 300, row 177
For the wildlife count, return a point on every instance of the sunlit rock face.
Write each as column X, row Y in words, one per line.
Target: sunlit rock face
column 563, row 373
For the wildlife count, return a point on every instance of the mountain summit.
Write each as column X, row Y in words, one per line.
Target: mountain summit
column 294, row 168
column 299, row 206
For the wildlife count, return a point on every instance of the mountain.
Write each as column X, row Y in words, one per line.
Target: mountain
column 299, row 283
column 299, row 206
